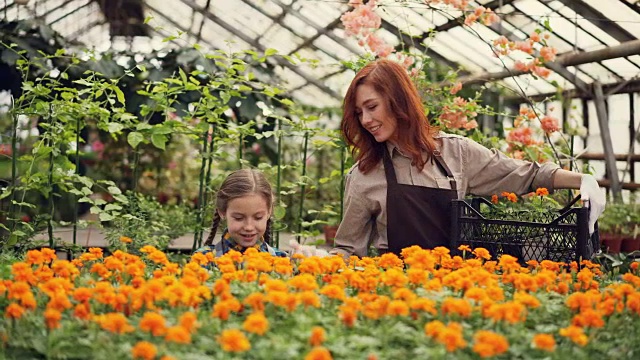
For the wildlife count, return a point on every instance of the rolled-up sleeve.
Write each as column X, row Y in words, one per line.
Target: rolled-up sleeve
column 492, row 172
column 355, row 229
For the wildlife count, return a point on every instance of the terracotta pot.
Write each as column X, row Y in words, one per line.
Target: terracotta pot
column 611, row 243
column 330, row 233
column 630, row 244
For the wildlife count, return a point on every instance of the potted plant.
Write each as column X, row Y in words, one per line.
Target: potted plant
column 609, row 226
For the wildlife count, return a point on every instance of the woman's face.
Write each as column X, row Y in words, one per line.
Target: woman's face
column 247, row 218
column 374, row 115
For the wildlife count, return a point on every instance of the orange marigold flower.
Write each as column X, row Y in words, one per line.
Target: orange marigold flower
column 18, row 289
column 233, row 340
column 256, row 323
column 318, row 336
column 157, row 257
column 456, row 306
column 114, row 322
column 34, row 257
column 333, row 291
column 81, row 311
column 464, row 248
column 309, row 298
column 451, row 337
column 494, row 199
column 14, row 311
column 348, row 316
column 542, row 192
column 144, row 350
column 52, row 318
column 48, row 254
column 318, row 353
column 126, row 239
column 482, row 253
column 255, row 300
column 303, row 282
column 178, row 334
column 544, row 342
column 397, row 308
column 189, row 321
column 576, row 334
column 487, row 343
column 433, row 328
column 154, row 323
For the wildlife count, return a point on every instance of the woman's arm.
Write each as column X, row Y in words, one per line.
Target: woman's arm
column 355, row 229
column 563, row 179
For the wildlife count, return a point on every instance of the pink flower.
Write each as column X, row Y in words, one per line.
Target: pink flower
column 543, row 72
column 522, row 135
column 525, row 46
column 535, row 37
column 457, row 87
column 470, row 125
column 549, row 124
column 548, row 53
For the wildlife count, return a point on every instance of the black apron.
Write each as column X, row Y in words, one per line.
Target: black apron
column 418, row 215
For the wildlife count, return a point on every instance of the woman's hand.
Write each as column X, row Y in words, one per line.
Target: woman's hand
column 307, row 250
column 593, row 197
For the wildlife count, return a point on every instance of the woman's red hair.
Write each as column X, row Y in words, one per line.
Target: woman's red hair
column 415, row 135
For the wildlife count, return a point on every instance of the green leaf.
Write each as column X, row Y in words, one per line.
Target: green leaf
column 270, row 52
column 105, row 216
column 114, row 127
column 114, row 190
column 134, row 139
column 111, row 207
column 143, row 126
column 119, row 94
column 279, row 212
column 159, row 141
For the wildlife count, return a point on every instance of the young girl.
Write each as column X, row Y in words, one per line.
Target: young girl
column 245, row 201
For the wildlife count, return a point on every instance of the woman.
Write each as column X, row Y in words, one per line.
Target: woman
column 407, row 172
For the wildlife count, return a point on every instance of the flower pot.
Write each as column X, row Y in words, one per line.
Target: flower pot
column 330, row 233
column 611, row 243
column 630, row 244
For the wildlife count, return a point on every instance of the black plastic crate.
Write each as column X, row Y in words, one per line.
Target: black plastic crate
column 562, row 236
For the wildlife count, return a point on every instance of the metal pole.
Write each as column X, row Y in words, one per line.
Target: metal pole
column 628, row 48
column 605, row 135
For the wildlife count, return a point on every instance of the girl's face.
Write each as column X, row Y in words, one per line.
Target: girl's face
column 374, row 114
column 247, row 218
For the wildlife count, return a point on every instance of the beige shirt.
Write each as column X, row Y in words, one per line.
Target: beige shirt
column 477, row 170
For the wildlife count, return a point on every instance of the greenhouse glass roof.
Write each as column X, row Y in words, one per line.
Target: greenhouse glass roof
column 605, row 32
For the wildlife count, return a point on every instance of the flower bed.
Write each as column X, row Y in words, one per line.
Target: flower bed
column 255, row 306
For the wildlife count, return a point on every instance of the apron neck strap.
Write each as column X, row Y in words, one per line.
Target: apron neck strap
column 388, row 166
column 444, row 168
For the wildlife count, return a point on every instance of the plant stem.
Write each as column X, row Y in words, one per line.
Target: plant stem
column 203, row 164
column 342, row 163
column 75, row 203
column 279, row 163
column 14, row 165
column 206, row 189
column 302, row 186
column 50, row 182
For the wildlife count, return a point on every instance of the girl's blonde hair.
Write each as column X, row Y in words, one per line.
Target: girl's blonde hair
column 238, row 184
